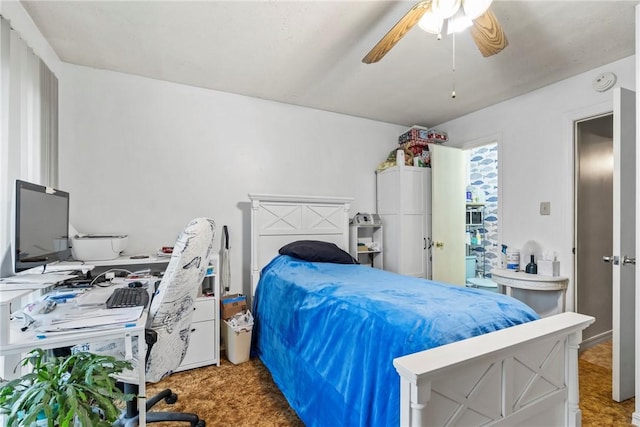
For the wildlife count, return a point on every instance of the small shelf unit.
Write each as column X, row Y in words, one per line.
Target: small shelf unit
column 365, row 244
column 474, row 224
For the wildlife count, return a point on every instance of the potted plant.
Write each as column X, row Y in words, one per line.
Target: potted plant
column 78, row 390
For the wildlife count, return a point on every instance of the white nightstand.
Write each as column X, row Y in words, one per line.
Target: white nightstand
column 545, row 294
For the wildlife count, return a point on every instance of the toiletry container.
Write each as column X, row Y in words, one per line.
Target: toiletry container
column 532, row 267
column 513, row 259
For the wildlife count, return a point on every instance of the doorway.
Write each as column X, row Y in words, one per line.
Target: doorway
column 483, row 249
column 594, row 222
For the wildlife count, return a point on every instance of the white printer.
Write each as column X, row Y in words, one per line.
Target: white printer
column 98, row 247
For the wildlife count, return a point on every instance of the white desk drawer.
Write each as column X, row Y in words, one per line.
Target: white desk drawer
column 204, row 309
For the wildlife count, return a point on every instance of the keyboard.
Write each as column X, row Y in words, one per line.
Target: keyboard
column 128, row 297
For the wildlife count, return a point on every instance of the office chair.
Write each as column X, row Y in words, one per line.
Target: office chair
column 169, row 322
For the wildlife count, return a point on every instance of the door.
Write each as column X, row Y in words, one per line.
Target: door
column 623, row 275
column 448, row 210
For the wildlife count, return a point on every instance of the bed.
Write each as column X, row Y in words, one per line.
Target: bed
column 520, row 372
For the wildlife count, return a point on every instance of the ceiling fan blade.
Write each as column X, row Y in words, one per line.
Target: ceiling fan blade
column 398, row 31
column 488, row 34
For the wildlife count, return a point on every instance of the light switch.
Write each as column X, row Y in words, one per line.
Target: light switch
column 545, row 208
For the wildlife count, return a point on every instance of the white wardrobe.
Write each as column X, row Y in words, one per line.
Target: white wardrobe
column 403, row 195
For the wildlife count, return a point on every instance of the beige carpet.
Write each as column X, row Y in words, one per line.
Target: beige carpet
column 228, row 395
column 245, row 395
column 598, row 409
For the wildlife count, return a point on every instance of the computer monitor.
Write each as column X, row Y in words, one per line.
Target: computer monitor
column 41, row 226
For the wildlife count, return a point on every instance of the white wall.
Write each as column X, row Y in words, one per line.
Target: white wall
column 143, row 157
column 536, row 156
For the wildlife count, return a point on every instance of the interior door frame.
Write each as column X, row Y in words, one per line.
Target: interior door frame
column 607, row 335
column 486, row 140
column 569, row 121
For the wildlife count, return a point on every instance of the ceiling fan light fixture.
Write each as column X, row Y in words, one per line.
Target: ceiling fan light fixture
column 458, row 22
column 445, row 8
column 475, row 8
column 486, row 31
column 431, row 23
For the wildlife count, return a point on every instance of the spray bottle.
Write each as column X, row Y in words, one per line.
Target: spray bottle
column 503, row 257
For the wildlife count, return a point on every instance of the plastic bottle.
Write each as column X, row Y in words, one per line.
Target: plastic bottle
column 513, row 259
column 503, row 256
column 469, row 194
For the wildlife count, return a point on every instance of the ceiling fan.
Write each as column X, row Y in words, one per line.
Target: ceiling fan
column 433, row 15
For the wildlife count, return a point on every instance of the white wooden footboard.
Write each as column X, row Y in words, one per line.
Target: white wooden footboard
column 526, row 375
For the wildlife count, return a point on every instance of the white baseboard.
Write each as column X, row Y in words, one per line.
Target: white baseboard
column 595, row 340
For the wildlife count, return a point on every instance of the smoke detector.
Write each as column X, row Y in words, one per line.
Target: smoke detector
column 604, row 82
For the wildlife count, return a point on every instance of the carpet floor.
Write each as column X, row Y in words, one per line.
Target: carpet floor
column 228, row 395
column 598, row 409
column 245, row 395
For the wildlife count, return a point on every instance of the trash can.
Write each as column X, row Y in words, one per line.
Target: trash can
column 237, row 337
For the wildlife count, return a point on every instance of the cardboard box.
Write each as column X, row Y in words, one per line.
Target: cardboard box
column 548, row 268
column 232, row 304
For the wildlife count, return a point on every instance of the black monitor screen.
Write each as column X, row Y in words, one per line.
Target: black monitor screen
column 41, row 233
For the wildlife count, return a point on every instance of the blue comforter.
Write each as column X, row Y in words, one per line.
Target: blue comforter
column 328, row 334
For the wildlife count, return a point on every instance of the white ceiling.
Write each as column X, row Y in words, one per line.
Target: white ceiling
column 309, row 53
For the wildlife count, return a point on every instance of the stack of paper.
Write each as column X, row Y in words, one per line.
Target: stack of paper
column 33, row 281
column 95, row 318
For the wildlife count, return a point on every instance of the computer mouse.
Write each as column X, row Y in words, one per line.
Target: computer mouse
column 135, row 284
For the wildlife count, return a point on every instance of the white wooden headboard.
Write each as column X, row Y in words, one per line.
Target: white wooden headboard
column 277, row 220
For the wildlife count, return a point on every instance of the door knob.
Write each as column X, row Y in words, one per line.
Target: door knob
column 628, row 260
column 439, row 244
column 615, row 260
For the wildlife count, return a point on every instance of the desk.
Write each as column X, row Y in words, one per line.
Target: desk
column 204, row 347
column 545, row 294
column 14, row 342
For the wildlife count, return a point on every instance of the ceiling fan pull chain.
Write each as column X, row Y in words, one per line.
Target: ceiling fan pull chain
column 453, row 92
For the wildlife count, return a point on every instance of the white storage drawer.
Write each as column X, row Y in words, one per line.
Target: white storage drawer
column 204, row 339
column 204, row 309
column 201, row 346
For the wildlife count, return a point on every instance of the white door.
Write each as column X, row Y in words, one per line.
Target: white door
column 448, row 209
column 624, row 203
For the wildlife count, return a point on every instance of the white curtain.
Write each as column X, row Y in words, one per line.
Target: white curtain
column 28, row 127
